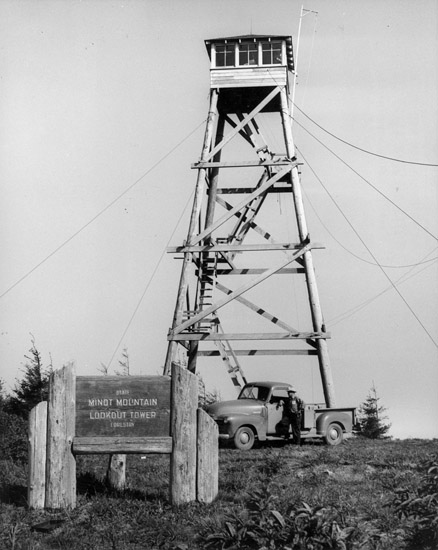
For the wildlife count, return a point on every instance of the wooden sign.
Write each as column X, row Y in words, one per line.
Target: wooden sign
column 122, row 406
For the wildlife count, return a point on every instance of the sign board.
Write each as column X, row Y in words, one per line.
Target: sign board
column 122, row 406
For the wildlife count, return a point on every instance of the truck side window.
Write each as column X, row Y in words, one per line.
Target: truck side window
column 278, row 395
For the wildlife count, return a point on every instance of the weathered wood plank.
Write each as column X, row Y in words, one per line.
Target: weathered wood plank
column 244, row 76
column 242, row 163
column 184, row 404
column 258, row 271
column 259, row 352
column 248, row 336
column 246, row 190
column 240, row 247
column 208, row 458
column 122, row 445
column 61, row 463
column 116, row 472
column 36, row 487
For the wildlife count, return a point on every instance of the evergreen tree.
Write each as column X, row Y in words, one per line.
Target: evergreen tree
column 2, row 395
column 372, row 417
column 124, row 364
column 33, row 387
column 205, row 397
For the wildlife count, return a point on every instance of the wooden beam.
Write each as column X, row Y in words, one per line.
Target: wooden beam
column 243, row 123
column 184, row 404
column 213, row 336
column 124, row 445
column 312, row 289
column 260, row 190
column 242, row 132
column 207, row 471
column 238, row 292
column 36, row 486
column 61, row 464
column 243, row 163
column 246, row 190
column 260, row 352
column 258, row 270
column 255, row 227
column 259, row 310
column 193, row 225
column 240, row 247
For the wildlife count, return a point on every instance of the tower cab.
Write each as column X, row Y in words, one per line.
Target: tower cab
column 251, row 62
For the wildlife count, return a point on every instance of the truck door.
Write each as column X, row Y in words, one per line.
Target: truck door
column 275, row 409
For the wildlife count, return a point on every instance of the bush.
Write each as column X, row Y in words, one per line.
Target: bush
column 13, row 437
column 262, row 526
column 420, row 509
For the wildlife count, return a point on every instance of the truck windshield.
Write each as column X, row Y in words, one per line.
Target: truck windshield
column 254, row 392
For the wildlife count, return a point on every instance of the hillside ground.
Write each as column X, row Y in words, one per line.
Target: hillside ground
column 362, row 494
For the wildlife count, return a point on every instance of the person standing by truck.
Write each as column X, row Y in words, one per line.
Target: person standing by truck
column 292, row 410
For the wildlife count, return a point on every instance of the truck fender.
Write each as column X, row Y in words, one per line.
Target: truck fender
column 258, row 425
column 342, row 418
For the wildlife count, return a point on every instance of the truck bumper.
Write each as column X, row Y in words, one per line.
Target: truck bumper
column 224, row 437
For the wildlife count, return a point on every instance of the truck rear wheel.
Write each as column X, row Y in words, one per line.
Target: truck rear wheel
column 244, row 439
column 334, row 435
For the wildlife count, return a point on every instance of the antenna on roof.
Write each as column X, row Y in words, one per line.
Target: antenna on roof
column 303, row 14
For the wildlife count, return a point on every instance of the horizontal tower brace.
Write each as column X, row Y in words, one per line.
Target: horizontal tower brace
column 240, row 247
column 244, row 163
column 254, row 352
column 213, row 336
column 245, row 190
column 258, row 271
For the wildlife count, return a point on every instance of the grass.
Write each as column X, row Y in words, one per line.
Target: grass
column 363, row 494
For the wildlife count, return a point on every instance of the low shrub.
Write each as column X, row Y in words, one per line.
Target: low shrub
column 419, row 509
column 13, row 437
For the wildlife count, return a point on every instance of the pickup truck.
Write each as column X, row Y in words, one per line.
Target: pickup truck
column 256, row 415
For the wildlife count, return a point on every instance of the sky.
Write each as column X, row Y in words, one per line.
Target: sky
column 103, row 108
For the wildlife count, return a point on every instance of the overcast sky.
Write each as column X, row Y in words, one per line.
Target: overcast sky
column 102, row 110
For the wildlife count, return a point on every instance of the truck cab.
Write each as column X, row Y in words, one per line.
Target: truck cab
column 257, row 412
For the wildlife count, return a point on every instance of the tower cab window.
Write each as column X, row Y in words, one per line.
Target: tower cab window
column 248, row 54
column 225, row 55
column 271, row 53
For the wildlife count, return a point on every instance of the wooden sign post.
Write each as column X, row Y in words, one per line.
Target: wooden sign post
column 60, row 462
column 121, row 415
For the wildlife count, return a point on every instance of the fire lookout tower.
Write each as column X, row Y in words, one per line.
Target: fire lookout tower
column 230, row 248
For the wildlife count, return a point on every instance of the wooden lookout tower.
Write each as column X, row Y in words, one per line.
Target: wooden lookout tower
column 240, row 245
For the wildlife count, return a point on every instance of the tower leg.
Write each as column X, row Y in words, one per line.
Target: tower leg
column 312, row 289
column 209, row 217
column 196, row 210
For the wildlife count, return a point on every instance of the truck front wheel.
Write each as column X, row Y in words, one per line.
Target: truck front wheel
column 244, row 439
column 334, row 434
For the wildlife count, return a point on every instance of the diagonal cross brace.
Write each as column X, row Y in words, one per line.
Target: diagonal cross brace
column 260, row 311
column 253, row 224
column 241, row 205
column 244, row 288
column 243, row 123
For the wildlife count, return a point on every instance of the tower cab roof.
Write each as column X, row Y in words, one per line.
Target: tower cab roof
column 256, row 38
